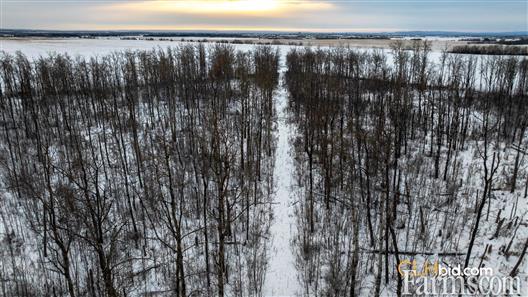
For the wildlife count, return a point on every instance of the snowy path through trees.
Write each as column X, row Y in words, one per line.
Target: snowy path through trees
column 281, row 279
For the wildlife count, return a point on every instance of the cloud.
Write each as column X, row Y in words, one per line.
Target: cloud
column 259, row 15
column 270, row 8
column 268, row 15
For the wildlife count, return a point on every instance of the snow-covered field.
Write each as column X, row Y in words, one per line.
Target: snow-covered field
column 85, row 47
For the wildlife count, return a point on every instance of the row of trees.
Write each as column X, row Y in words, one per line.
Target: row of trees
column 399, row 156
column 491, row 49
column 145, row 172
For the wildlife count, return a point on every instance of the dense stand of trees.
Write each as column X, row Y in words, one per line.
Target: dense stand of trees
column 150, row 173
column 491, row 49
column 401, row 157
column 137, row 172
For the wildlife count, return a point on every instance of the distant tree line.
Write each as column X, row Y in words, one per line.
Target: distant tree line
column 494, row 49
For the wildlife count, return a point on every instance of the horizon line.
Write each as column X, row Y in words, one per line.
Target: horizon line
column 286, row 30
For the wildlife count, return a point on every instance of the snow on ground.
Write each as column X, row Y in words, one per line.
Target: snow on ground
column 281, row 278
column 36, row 47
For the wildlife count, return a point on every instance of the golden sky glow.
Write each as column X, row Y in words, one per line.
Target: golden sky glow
column 232, row 28
column 233, row 7
column 266, row 15
column 239, row 6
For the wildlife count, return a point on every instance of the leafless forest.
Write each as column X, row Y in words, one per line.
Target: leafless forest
column 150, row 173
column 405, row 160
column 137, row 170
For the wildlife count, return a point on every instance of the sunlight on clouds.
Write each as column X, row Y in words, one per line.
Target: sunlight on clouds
column 218, row 6
column 215, row 7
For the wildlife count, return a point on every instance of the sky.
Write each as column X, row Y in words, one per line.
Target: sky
column 267, row 15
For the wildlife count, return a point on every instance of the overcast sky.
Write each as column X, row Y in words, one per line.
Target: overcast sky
column 286, row 15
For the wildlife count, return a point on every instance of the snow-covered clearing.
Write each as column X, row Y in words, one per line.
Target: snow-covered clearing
column 281, row 277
